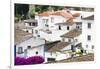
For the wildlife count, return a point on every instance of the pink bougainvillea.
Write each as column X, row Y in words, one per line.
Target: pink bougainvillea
column 29, row 60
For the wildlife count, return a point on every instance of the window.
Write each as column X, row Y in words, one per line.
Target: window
column 36, row 31
column 36, row 52
column 81, row 17
column 51, row 53
column 27, row 31
column 45, row 21
column 52, row 19
column 38, row 35
column 32, row 31
column 86, row 46
column 28, row 47
column 89, row 37
column 77, row 27
column 29, row 24
column 67, row 27
column 50, row 59
column 72, row 48
column 33, row 24
column 92, row 46
column 89, row 25
column 20, row 50
column 59, row 27
column 76, row 40
column 69, row 40
column 46, row 25
column 63, row 39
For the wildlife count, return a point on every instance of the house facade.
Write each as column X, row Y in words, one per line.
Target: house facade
column 28, row 46
column 88, row 36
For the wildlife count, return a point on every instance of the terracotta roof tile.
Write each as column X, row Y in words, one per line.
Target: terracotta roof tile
column 58, row 13
column 63, row 13
column 76, row 14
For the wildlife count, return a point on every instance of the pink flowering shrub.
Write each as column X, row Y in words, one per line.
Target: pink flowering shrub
column 29, row 60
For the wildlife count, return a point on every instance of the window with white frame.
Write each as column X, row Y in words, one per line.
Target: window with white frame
column 92, row 47
column 52, row 19
column 20, row 50
column 67, row 27
column 86, row 46
column 36, row 31
column 28, row 47
column 63, row 39
column 45, row 21
column 89, row 37
column 69, row 40
column 89, row 25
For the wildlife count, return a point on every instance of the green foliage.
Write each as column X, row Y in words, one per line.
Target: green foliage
column 21, row 10
column 32, row 13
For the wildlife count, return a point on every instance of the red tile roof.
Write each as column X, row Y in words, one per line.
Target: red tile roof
column 58, row 13
column 76, row 14
column 63, row 13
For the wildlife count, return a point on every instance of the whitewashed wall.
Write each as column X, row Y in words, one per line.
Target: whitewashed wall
column 32, row 52
column 33, row 42
column 29, row 30
column 86, row 32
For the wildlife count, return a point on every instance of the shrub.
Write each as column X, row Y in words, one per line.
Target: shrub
column 28, row 61
column 37, row 59
column 20, row 61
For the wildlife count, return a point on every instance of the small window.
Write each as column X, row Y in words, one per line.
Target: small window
column 38, row 35
column 89, row 37
column 36, row 52
column 20, row 50
column 29, row 24
column 45, row 21
column 69, row 40
column 36, row 31
column 32, row 31
column 51, row 53
column 67, row 27
column 59, row 27
column 89, row 25
column 77, row 27
column 29, row 47
column 51, row 59
column 52, row 19
column 63, row 39
column 72, row 48
column 81, row 17
column 27, row 31
column 86, row 46
column 46, row 25
column 92, row 46
column 76, row 40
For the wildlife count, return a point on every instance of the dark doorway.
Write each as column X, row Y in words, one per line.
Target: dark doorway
column 59, row 27
column 50, row 59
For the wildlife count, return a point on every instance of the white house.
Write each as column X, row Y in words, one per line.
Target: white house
column 55, row 23
column 27, row 45
column 88, row 32
column 29, row 25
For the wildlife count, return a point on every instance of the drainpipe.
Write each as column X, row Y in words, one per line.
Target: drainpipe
column 14, row 51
